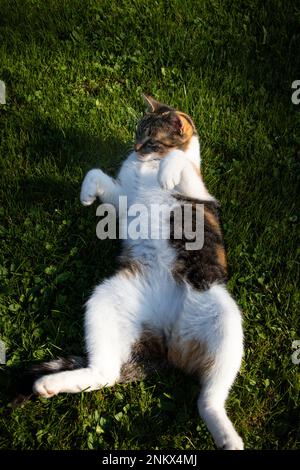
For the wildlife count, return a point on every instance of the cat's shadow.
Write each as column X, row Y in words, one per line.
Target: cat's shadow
column 59, row 158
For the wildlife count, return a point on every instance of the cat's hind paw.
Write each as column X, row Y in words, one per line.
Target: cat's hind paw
column 45, row 386
column 232, row 442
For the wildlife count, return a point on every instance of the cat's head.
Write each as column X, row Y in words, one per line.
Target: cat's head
column 161, row 130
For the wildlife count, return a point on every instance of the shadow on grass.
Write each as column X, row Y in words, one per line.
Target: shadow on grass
column 70, row 148
column 54, row 197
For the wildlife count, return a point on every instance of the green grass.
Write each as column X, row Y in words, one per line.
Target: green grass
column 74, row 72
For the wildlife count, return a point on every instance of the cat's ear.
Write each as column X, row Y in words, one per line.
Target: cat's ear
column 152, row 104
column 177, row 124
column 183, row 124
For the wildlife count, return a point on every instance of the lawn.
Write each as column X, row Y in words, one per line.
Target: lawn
column 74, row 73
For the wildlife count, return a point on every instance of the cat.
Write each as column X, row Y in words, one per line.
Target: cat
column 165, row 303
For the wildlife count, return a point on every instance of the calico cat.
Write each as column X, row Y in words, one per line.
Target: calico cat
column 166, row 303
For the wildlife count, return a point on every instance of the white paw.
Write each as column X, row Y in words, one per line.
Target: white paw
column 231, row 442
column 91, row 187
column 46, row 386
column 170, row 170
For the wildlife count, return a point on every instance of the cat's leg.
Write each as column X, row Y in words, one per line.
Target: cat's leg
column 210, row 345
column 112, row 325
column 97, row 184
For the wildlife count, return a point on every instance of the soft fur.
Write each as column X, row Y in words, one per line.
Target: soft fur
column 165, row 300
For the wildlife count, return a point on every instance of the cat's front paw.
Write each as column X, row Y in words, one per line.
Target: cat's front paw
column 170, row 170
column 91, row 187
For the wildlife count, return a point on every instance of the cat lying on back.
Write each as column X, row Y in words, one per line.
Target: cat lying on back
column 165, row 302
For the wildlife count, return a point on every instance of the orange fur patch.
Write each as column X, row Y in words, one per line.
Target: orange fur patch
column 152, row 352
column 187, row 128
column 221, row 256
column 213, row 222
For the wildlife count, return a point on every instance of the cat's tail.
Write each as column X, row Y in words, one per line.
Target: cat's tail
column 24, row 384
column 58, row 365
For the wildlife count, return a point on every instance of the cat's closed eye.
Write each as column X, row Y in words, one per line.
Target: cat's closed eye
column 155, row 147
column 151, row 147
